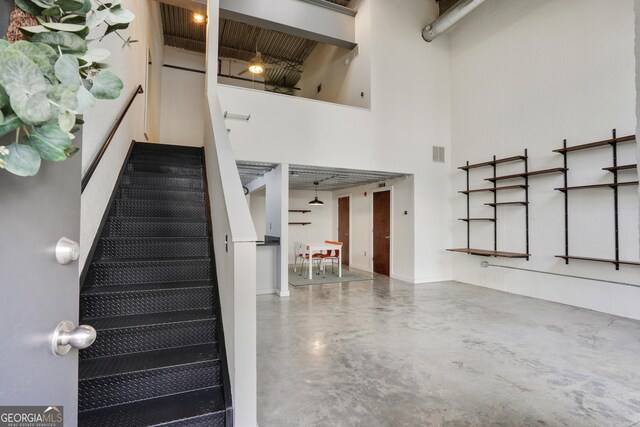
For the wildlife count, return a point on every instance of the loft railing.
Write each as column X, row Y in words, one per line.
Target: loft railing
column 112, row 133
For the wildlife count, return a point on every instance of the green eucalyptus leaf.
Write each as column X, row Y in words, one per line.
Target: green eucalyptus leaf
column 22, row 160
column 86, row 7
column 70, row 5
column 65, row 95
column 106, row 85
column 97, row 17
column 74, row 19
column 18, row 74
column 33, row 109
column 66, row 42
column 70, row 28
column 1, row 117
column 29, row 32
column 3, row 44
column 52, row 11
column 113, row 28
column 85, row 99
column 10, row 124
column 118, row 15
column 51, row 142
column 43, row 3
column 66, row 121
column 41, row 55
column 68, row 70
column 29, row 7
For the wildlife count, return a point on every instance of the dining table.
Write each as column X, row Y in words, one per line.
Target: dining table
column 318, row 248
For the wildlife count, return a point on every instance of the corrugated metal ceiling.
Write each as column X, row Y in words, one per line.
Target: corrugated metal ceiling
column 303, row 177
column 180, row 31
column 240, row 41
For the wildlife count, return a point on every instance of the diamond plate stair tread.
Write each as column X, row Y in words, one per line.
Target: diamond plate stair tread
column 169, row 168
column 177, row 409
column 133, row 261
column 167, row 147
column 147, row 227
column 118, row 289
column 153, row 193
column 117, row 365
column 159, row 247
column 155, row 319
column 158, row 208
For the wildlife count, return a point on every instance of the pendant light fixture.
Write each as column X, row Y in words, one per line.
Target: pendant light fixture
column 316, row 201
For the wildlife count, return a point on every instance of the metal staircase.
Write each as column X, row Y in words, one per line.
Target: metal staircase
column 151, row 294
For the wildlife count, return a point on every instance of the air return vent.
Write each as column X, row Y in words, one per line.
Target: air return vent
column 438, row 154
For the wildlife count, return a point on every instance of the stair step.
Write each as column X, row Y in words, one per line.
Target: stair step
column 139, row 271
column 108, row 366
column 164, row 158
column 171, row 168
column 125, row 379
column 127, row 300
column 150, row 193
column 198, row 408
column 155, row 227
column 150, row 332
column 167, row 148
column 161, row 181
column 151, row 247
column 158, row 208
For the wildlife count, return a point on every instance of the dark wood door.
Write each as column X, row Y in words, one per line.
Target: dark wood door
column 343, row 227
column 381, row 232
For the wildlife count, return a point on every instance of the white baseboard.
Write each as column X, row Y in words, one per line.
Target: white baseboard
column 265, row 291
column 282, row 293
column 422, row 280
column 360, row 267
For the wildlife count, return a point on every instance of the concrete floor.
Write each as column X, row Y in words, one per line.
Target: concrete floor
column 386, row 353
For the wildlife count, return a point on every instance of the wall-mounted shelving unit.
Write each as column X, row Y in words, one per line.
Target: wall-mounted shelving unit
column 495, row 204
column 615, row 185
column 526, row 174
column 301, row 211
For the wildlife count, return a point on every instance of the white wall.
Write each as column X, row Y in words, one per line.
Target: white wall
column 341, row 83
column 183, row 95
column 130, row 64
column 527, row 75
column 405, row 120
column 320, row 217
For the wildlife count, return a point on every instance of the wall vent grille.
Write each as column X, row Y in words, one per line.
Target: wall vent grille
column 438, row 154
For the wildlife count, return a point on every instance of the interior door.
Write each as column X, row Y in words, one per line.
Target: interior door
column 343, row 227
column 382, row 232
column 36, row 292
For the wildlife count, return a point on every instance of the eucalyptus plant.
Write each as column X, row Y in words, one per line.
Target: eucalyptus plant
column 52, row 76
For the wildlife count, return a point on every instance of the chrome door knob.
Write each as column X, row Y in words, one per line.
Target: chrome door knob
column 67, row 251
column 67, row 336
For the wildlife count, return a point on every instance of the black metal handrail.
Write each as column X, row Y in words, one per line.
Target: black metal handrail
column 112, row 133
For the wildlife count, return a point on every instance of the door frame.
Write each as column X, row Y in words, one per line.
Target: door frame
column 391, row 230
column 337, row 217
